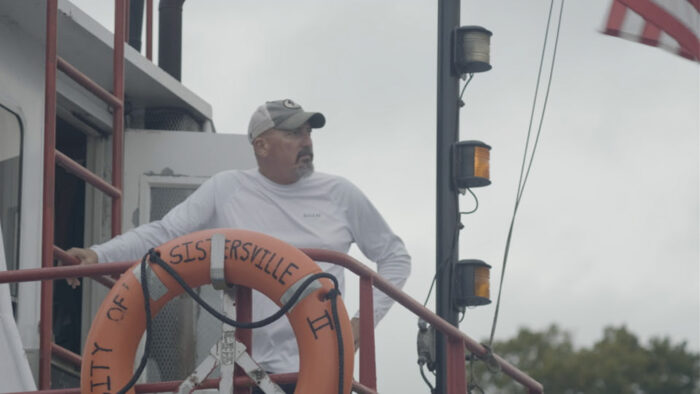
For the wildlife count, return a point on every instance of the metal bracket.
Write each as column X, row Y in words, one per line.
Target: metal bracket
column 287, row 295
column 156, row 288
column 226, row 353
column 253, row 370
column 227, row 344
column 216, row 262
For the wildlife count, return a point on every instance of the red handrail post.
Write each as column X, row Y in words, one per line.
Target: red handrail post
column 66, row 355
column 368, row 368
column 456, row 366
column 127, row 19
column 149, row 29
column 244, row 313
column 118, row 112
column 46, row 312
column 443, row 326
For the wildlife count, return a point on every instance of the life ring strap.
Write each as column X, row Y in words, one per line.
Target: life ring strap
column 250, row 259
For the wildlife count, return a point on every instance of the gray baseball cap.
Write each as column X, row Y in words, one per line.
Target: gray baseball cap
column 282, row 115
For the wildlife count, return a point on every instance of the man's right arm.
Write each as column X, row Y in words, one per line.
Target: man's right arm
column 191, row 215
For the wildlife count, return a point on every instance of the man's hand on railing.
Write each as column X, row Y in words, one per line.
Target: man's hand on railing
column 86, row 257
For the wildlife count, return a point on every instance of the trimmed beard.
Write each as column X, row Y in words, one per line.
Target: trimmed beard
column 305, row 169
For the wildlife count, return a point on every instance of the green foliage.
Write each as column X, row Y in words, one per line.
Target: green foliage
column 617, row 364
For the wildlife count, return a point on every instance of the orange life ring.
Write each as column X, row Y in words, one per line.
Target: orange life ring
column 251, row 259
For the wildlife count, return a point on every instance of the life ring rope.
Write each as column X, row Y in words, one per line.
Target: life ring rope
column 295, row 293
column 299, row 293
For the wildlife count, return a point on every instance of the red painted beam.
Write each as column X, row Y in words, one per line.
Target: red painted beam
column 88, row 176
column 127, row 21
column 456, row 371
column 414, row 306
column 65, row 354
column 359, row 388
column 149, row 30
column 240, row 383
column 118, row 115
column 85, row 81
column 74, row 271
column 368, row 367
column 47, row 225
column 60, row 254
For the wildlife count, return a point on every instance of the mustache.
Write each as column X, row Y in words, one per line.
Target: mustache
column 305, row 152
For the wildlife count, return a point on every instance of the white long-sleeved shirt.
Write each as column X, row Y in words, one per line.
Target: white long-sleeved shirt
column 319, row 211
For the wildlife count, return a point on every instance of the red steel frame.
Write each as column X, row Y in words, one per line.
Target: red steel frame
column 52, row 158
column 149, row 30
column 458, row 341
column 46, row 312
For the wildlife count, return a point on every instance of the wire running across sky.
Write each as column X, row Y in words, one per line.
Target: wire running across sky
column 524, row 174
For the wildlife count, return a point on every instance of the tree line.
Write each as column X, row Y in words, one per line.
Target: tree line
column 618, row 363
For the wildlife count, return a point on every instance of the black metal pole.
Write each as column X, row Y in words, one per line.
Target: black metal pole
column 447, row 208
column 170, row 37
column 135, row 23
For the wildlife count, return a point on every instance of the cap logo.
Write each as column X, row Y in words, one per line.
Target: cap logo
column 290, row 104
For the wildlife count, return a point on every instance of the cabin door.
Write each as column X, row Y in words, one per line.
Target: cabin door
column 162, row 168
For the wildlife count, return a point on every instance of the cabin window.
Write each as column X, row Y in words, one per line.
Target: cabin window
column 10, row 180
column 164, row 198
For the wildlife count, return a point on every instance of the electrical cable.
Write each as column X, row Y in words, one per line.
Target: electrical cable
column 472, row 377
column 154, row 257
column 461, row 102
column 430, row 291
column 476, row 207
column 444, row 264
column 544, row 105
column 534, row 99
column 425, row 379
column 333, row 296
column 476, row 201
column 147, row 347
column 523, row 179
column 473, row 386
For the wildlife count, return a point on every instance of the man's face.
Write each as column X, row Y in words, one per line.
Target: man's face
column 291, row 151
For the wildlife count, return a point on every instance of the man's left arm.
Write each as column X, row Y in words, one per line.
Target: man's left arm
column 378, row 242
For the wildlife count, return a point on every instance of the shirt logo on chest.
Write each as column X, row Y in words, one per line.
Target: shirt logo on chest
column 308, row 215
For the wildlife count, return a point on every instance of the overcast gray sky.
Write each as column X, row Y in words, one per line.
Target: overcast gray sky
column 608, row 228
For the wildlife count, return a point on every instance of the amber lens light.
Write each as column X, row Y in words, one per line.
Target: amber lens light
column 481, row 282
column 471, row 164
column 481, row 162
column 470, row 286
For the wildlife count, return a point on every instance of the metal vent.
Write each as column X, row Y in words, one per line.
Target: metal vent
column 162, row 119
column 183, row 332
column 170, row 119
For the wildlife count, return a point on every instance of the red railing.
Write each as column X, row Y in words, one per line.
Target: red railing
column 52, row 157
column 457, row 340
column 240, row 383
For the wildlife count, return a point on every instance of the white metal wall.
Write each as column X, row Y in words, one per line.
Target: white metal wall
column 22, row 92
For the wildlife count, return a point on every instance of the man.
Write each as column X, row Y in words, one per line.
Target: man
column 283, row 198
